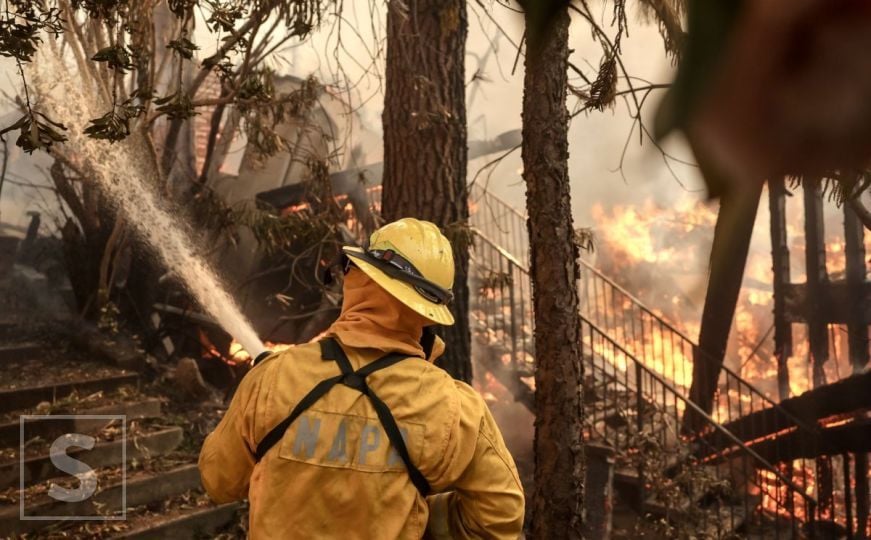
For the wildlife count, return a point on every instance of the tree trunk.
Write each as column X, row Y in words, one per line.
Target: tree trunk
column 728, row 257
column 559, row 452
column 425, row 151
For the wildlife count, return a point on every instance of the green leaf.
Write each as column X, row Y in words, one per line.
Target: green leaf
column 177, row 106
column 114, row 125
column 37, row 131
column 116, row 57
column 183, row 47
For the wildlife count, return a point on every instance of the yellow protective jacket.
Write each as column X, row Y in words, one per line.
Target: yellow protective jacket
column 335, row 475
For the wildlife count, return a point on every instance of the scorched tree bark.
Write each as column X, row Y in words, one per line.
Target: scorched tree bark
column 425, row 151
column 559, row 453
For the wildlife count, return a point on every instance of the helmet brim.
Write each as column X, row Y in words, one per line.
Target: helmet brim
column 405, row 293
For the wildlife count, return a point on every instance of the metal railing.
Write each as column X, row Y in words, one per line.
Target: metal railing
column 501, row 304
column 500, row 222
column 638, row 412
column 666, row 349
column 622, row 316
column 504, row 305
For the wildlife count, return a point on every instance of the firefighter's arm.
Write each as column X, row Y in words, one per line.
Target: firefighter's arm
column 486, row 499
column 226, row 459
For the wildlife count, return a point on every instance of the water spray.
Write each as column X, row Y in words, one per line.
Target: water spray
column 124, row 171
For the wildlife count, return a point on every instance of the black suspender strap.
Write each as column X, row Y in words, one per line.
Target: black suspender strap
column 276, row 433
column 357, row 380
column 331, row 350
column 395, row 436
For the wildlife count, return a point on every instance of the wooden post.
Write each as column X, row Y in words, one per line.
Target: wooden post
column 857, row 338
column 781, row 280
column 780, row 264
column 817, row 279
column 818, row 337
column 732, row 236
column 862, row 513
column 857, row 327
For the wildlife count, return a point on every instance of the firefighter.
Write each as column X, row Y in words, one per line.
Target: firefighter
column 359, row 435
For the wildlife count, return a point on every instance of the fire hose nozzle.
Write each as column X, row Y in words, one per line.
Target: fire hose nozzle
column 261, row 356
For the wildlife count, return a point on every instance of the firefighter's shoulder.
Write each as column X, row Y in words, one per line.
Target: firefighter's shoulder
column 286, row 351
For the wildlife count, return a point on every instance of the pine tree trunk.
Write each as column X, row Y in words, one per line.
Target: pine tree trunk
column 425, row 150
column 559, row 452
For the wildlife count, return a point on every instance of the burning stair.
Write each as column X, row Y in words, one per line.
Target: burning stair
column 161, row 495
column 638, row 369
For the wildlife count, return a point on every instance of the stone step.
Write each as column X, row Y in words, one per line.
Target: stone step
column 10, row 432
column 201, row 522
column 614, row 417
column 141, row 489
column 22, row 398
column 20, row 351
column 725, row 522
column 103, row 454
column 671, row 508
column 627, row 479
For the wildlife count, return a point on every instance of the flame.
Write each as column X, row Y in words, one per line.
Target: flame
column 236, row 354
column 661, row 254
column 777, row 499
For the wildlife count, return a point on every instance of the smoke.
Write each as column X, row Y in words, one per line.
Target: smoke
column 124, row 171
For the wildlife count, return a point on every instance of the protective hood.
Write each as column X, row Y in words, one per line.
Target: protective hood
column 372, row 318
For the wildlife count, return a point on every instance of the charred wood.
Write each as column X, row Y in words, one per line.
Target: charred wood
column 839, row 398
column 818, row 335
column 780, row 265
column 863, row 477
column 838, row 302
column 728, row 258
column 799, row 444
column 857, row 303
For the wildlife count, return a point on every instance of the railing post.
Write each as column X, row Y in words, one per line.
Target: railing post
column 848, row 494
column 512, row 314
column 639, row 425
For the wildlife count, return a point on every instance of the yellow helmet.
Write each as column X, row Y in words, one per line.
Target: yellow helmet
column 413, row 261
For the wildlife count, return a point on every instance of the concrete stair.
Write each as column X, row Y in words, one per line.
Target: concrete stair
column 163, row 496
